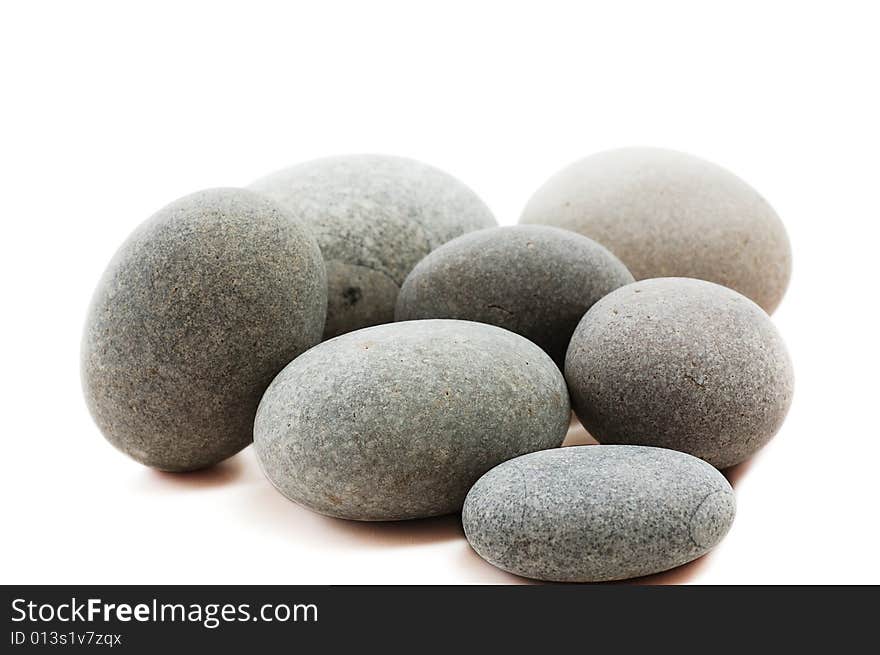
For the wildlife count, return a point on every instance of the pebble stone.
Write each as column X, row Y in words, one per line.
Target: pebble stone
column 597, row 513
column 197, row 312
column 534, row 280
column 669, row 214
column 683, row 364
column 398, row 421
column 374, row 217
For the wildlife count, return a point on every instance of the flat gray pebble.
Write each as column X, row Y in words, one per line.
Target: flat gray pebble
column 683, row 364
column 597, row 513
column 375, row 217
column 398, row 421
column 197, row 312
column 669, row 214
column 534, row 280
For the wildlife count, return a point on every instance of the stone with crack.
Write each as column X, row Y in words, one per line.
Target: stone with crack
column 398, row 421
column 200, row 308
column 597, row 513
column 374, row 217
column 680, row 363
column 534, row 280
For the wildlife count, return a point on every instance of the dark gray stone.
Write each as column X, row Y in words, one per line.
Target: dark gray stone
column 374, row 217
column 534, row 280
column 398, row 421
column 669, row 214
column 682, row 364
column 200, row 308
column 597, row 513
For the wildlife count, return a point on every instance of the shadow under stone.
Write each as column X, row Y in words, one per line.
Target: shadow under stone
column 218, row 475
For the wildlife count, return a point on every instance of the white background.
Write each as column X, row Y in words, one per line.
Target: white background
column 111, row 110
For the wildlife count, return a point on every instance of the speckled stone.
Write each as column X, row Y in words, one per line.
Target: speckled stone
column 682, row 364
column 375, row 217
column 200, row 308
column 597, row 513
column 398, row 421
column 534, row 280
column 666, row 213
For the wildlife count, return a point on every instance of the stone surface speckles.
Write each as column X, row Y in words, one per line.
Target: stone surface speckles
column 683, row 364
column 200, row 308
column 597, row 513
column 666, row 213
column 374, row 217
column 534, row 280
column 398, row 421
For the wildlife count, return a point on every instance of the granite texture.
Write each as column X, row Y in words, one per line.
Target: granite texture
column 374, row 217
column 683, row 364
column 200, row 308
column 669, row 214
column 534, row 280
column 398, row 421
column 597, row 513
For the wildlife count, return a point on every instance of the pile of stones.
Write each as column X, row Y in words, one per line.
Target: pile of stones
column 394, row 354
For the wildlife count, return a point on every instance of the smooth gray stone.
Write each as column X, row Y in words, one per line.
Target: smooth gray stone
column 197, row 312
column 398, row 421
column 534, row 280
column 682, row 364
column 597, row 513
column 375, row 217
column 669, row 214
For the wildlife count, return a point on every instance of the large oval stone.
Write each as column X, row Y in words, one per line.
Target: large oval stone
column 375, row 217
column 200, row 308
column 596, row 513
column 683, row 364
column 669, row 214
column 398, row 421
column 534, row 280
